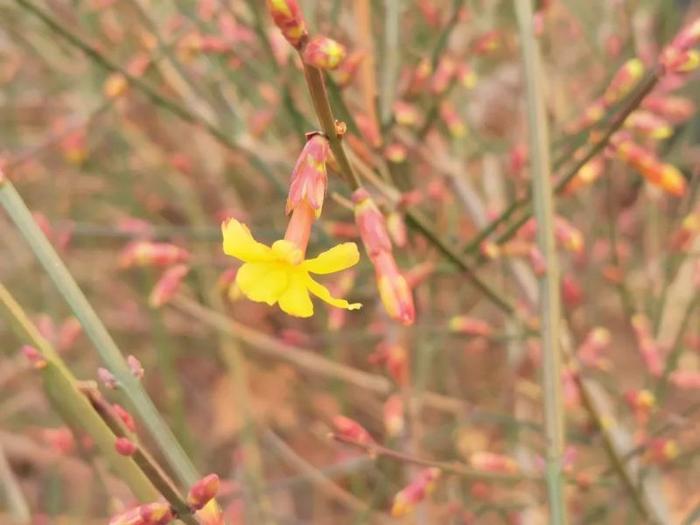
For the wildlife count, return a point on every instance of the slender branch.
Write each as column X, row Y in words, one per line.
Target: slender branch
column 549, row 300
column 16, row 503
column 70, row 403
column 96, row 331
column 645, row 87
column 459, row 469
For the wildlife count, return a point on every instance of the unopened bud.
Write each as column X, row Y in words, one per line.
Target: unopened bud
column 415, row 492
column 125, row 446
column 146, row 253
column 135, row 366
column 309, row 177
column 107, row 378
column 624, row 80
column 168, row 285
column 323, row 53
column 203, row 491
column 125, row 417
column 351, row 429
column 288, row 18
column 34, row 356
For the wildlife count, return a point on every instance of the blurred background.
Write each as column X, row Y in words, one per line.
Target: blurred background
column 144, row 121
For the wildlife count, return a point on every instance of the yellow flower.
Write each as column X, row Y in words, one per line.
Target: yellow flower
column 280, row 274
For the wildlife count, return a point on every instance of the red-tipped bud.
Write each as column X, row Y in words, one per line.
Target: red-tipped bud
column 394, row 421
column 673, row 109
column 351, row 429
column 396, row 153
column 466, row 76
column 135, row 366
column 146, row 253
column 662, row 451
column 588, row 174
column 323, row 53
column 492, row 462
column 158, row 513
column 406, row 114
column 454, row 123
column 130, row 517
column 593, row 113
column 125, row 446
column 203, row 491
column 371, row 224
column 443, row 76
column 648, row 347
column 107, row 378
column 665, row 176
column 168, row 285
column 125, row 416
column 642, row 402
column 487, row 43
column 393, row 289
column 464, row 324
column 624, row 81
column 649, row 124
column 592, row 350
column 289, row 19
column 309, row 177
column 415, row 492
column 568, row 235
column 34, row 356
column 420, row 75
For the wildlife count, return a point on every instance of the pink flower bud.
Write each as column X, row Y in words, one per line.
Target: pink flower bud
column 624, row 80
column 394, row 416
column 592, row 350
column 107, row 378
column 68, row 333
column 309, row 177
column 135, row 366
column 125, row 417
column 492, row 462
column 288, row 18
column 168, row 285
column 661, row 451
column 406, row 114
column 158, row 513
column 323, row 53
column 452, row 120
column 351, row 429
column 686, row 379
column 395, row 152
column 670, row 108
column 446, row 70
column 124, row 446
column 648, row 347
column 665, row 176
column 649, row 124
column 146, row 253
column 371, row 224
column 415, row 492
column 394, row 292
column 203, row 491
column 539, row 265
column 34, row 356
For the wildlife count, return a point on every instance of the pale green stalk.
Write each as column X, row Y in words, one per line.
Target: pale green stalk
column 549, row 300
column 96, row 331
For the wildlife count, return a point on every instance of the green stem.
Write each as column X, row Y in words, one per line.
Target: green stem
column 549, row 300
column 70, row 403
column 96, row 331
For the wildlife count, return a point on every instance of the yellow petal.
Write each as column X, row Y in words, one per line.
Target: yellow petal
column 239, row 243
column 295, row 300
column 338, row 258
column 263, row 282
column 324, row 294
